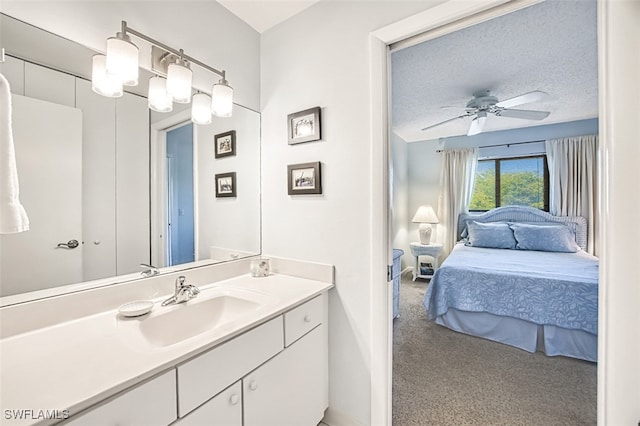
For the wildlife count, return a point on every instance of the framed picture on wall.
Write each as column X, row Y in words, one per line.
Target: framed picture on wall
column 304, row 178
column 225, row 144
column 304, row 126
column 226, row 185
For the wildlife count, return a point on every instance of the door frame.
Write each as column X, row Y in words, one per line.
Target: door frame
column 158, row 153
column 444, row 18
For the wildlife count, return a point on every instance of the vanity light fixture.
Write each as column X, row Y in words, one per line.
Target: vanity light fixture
column 179, row 77
column 222, row 99
column 159, row 99
column 121, row 64
column 201, row 109
column 102, row 83
column 122, row 58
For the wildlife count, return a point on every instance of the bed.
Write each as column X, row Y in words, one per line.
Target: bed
column 520, row 276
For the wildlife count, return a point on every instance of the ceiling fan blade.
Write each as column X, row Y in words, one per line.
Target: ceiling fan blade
column 477, row 124
column 445, row 121
column 524, row 114
column 527, row 98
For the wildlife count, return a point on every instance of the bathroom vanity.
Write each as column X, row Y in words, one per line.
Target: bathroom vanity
column 246, row 351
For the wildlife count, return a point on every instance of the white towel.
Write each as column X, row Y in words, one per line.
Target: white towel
column 13, row 218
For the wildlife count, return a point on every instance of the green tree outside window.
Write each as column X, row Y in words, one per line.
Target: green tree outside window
column 511, row 181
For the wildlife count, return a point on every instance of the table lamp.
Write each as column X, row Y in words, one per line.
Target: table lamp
column 425, row 216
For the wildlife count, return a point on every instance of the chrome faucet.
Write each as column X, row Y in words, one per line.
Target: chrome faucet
column 149, row 270
column 183, row 292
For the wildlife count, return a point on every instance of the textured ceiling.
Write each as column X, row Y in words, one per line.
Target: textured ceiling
column 550, row 46
column 264, row 14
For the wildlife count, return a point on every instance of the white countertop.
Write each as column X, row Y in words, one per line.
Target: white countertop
column 75, row 364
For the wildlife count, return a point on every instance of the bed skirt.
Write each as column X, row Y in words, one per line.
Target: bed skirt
column 552, row 340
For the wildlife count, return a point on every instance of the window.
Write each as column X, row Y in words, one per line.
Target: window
column 522, row 181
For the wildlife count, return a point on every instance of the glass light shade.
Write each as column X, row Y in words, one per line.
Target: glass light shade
column 159, row 99
column 122, row 59
column 222, row 99
column 179, row 82
column 201, row 109
column 101, row 83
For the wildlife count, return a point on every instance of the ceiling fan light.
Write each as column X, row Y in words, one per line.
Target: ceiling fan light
column 102, row 83
column 222, row 99
column 122, row 59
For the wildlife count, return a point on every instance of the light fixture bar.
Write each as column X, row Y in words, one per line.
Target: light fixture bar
column 126, row 29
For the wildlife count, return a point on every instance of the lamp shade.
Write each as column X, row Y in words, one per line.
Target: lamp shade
column 179, row 77
column 122, row 59
column 159, row 99
column 201, row 109
column 425, row 214
column 222, row 99
column 101, row 83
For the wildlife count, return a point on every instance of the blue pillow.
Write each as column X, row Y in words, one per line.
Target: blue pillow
column 490, row 235
column 555, row 238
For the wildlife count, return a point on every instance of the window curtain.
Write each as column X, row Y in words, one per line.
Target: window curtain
column 456, row 187
column 573, row 181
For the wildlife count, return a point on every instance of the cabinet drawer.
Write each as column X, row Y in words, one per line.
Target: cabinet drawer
column 153, row 402
column 224, row 409
column 302, row 319
column 206, row 375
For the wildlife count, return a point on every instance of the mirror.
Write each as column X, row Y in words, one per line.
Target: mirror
column 132, row 187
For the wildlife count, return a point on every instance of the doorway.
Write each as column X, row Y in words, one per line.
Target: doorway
column 445, row 89
column 180, row 196
column 617, row 389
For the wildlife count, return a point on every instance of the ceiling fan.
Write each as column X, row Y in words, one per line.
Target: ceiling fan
column 484, row 103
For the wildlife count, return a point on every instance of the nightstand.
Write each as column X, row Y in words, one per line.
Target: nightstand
column 418, row 250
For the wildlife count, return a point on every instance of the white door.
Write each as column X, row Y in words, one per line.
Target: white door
column 48, row 144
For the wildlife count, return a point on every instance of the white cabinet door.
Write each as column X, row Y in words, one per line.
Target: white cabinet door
column 48, row 144
column 290, row 389
column 223, row 410
column 151, row 403
column 132, row 183
column 98, row 180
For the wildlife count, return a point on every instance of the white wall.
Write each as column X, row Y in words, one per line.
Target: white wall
column 320, row 58
column 230, row 223
column 204, row 29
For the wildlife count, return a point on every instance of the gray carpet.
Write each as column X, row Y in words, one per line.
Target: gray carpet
column 441, row 377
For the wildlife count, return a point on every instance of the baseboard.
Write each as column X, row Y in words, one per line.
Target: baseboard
column 333, row 417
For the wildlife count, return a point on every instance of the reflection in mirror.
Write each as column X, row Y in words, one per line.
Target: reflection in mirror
column 131, row 187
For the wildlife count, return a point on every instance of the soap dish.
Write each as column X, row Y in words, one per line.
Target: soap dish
column 135, row 309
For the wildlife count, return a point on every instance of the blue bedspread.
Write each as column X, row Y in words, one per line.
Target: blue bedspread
column 545, row 288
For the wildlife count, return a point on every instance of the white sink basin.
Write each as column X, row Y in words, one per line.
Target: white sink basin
column 172, row 324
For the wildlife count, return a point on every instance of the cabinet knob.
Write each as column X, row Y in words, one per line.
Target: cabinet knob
column 307, row 318
column 253, row 385
column 234, row 399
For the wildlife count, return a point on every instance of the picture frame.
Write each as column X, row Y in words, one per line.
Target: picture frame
column 225, row 185
column 304, row 126
column 304, row 178
column 225, row 144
